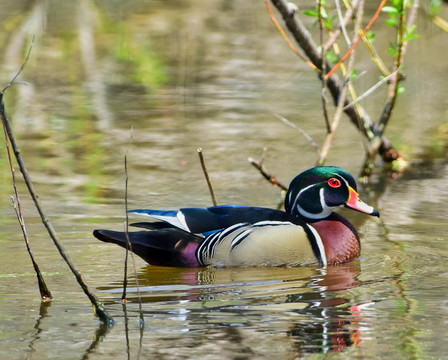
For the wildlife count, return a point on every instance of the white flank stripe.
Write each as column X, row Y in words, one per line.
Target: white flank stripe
column 272, row 223
column 208, row 247
column 320, row 245
column 237, row 239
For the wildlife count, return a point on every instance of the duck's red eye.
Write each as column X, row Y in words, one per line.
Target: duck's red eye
column 334, row 183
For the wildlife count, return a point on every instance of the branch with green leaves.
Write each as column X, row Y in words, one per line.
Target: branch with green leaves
column 330, row 65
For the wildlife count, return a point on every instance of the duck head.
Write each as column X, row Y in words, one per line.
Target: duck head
column 317, row 192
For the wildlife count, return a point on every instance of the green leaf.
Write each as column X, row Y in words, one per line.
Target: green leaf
column 370, row 35
column 391, row 22
column 331, row 58
column 411, row 29
column 392, row 49
column 410, row 37
column 312, row 13
column 389, row 10
column 354, row 75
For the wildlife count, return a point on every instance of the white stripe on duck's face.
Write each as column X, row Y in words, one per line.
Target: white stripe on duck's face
column 316, row 193
column 265, row 243
column 324, row 212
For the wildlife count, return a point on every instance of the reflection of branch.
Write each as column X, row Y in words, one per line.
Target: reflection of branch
column 100, row 333
column 266, row 174
column 96, row 84
column 37, row 327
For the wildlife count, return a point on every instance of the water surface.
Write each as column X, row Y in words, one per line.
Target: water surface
column 155, row 81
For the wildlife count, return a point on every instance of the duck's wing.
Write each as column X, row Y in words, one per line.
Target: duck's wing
column 208, row 220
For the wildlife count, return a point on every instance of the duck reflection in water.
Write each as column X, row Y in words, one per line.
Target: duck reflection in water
column 313, row 305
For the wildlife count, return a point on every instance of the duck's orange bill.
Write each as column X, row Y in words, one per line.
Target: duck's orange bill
column 355, row 203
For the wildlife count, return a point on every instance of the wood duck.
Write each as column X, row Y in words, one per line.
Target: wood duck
column 308, row 232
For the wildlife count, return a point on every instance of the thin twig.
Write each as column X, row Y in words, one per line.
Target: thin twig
column 266, row 174
column 140, row 307
column 45, row 293
column 342, row 21
column 282, row 33
column 126, row 231
column 209, row 184
column 99, row 309
column 294, row 126
column 13, row 81
column 323, row 67
column 342, row 25
column 393, row 83
column 356, row 114
column 374, row 54
column 371, row 90
column 341, row 101
column 355, row 43
column 129, row 249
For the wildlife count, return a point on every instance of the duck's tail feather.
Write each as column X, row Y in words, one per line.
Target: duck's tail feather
column 164, row 247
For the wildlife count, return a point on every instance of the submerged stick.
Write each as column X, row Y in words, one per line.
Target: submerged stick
column 204, row 169
column 98, row 307
column 45, row 293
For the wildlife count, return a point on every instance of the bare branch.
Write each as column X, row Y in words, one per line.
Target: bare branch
column 356, row 114
column 99, row 309
column 13, row 81
column 204, row 169
column 355, row 43
column 372, row 89
column 340, row 105
column 282, row 33
column 266, row 174
column 294, row 126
